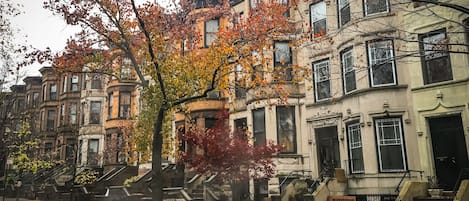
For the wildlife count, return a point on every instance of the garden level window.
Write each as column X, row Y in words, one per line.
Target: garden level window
column 92, row 158
column 322, row 82
column 283, row 60
column 286, row 131
column 210, row 33
column 375, row 6
column 348, row 71
column 381, row 63
column 436, row 65
column 343, row 12
column 258, row 117
column 95, row 112
column 390, row 143
column 355, row 148
column 318, row 19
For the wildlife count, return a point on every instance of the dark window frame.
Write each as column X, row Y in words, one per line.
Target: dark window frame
column 366, row 10
column 122, row 113
column 74, row 84
column 339, row 13
column 53, row 93
column 51, row 114
column 95, row 116
column 259, row 128
column 426, row 72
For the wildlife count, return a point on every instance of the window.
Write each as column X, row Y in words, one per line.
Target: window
column 283, row 59
column 355, row 148
column 254, row 3
column 126, row 68
column 82, row 112
column 64, row 84
column 44, row 92
column 74, row 86
column 48, row 147
column 435, row 61
column 93, row 145
column 95, row 112
column 348, row 71
column 20, row 105
column 259, row 127
column 109, row 105
column 240, row 127
column 257, row 71
column 376, row 6
column 35, row 99
column 344, row 12
column 53, row 92
column 79, row 154
column 286, row 131
column 96, row 81
column 62, row 114
column 318, row 19
column 322, row 82
column 50, row 120
column 73, row 114
column 83, row 81
column 381, row 61
column 390, row 145
column 124, row 104
column 240, row 91
column 211, row 29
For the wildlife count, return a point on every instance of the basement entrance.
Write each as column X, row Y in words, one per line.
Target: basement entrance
column 328, row 149
column 449, row 149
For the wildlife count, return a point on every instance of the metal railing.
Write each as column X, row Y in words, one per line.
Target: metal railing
column 293, row 175
column 408, row 174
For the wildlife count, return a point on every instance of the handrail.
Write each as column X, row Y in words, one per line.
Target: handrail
column 291, row 174
column 212, row 194
column 458, row 181
column 185, row 195
column 405, row 174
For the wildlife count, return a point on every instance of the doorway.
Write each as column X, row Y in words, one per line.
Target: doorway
column 327, row 149
column 449, row 149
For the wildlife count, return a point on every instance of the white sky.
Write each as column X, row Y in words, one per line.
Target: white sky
column 39, row 28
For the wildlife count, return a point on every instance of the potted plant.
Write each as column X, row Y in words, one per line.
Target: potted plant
column 433, row 188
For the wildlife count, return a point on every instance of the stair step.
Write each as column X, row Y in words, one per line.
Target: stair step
column 440, row 198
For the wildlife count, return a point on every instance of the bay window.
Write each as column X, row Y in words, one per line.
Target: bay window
column 348, row 71
column 322, row 82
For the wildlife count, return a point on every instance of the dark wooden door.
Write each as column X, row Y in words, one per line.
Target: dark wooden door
column 328, row 149
column 449, row 149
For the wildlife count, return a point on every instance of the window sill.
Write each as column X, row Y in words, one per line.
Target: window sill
column 440, row 84
column 289, row 155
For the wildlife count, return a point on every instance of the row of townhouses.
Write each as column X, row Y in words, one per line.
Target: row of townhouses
column 387, row 100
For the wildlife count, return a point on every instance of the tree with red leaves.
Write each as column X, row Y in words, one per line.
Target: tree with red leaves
column 228, row 153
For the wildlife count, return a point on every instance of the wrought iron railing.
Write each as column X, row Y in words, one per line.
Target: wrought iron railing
column 408, row 174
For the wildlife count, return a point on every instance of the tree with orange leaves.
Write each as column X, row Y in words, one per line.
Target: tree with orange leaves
column 163, row 47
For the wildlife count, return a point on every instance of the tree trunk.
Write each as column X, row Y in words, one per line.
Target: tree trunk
column 156, row 171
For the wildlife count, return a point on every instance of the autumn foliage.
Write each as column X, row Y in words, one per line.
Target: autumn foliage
column 228, row 153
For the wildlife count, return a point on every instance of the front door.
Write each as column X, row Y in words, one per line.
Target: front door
column 449, row 149
column 327, row 149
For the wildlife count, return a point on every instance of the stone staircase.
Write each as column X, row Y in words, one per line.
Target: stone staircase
column 445, row 196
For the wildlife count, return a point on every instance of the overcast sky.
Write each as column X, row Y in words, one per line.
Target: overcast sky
column 39, row 28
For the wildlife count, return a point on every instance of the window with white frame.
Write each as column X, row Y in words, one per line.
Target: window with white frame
column 348, row 71
column 318, row 19
column 211, row 29
column 73, row 114
column 391, row 153
column 283, row 60
column 436, row 60
column 64, row 84
column 53, row 92
column 322, row 82
column 355, row 148
column 286, row 131
column 74, row 84
column 95, row 112
column 343, row 12
column 376, row 6
column 381, row 63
